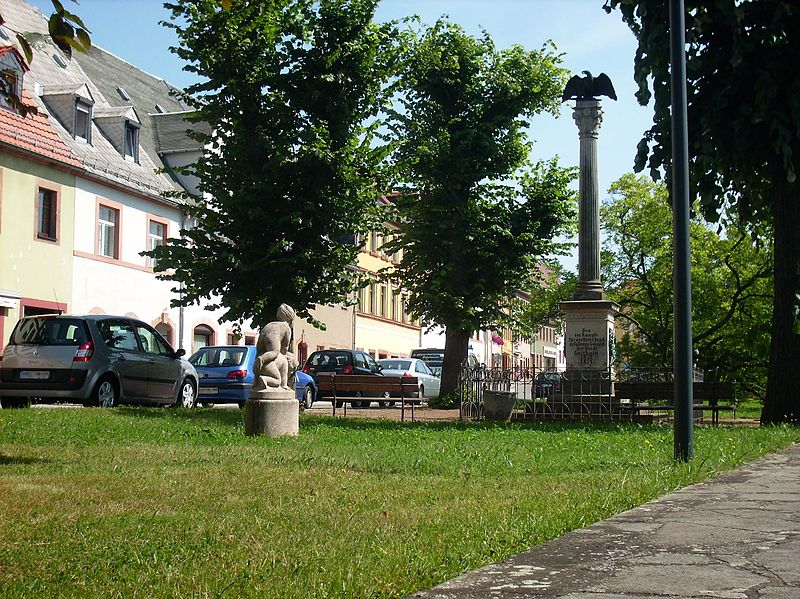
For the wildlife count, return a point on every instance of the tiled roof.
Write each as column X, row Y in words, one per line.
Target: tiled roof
column 99, row 158
column 34, row 133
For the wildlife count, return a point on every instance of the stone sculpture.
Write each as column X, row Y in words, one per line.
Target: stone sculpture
column 275, row 363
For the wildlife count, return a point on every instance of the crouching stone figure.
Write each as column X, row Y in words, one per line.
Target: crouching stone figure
column 275, row 363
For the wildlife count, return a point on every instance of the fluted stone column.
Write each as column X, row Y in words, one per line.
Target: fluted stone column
column 588, row 317
column 588, row 117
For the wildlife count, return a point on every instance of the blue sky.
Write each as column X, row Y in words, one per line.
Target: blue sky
column 589, row 38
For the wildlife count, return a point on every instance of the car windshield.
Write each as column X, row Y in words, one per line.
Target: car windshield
column 330, row 358
column 50, row 331
column 395, row 364
column 218, row 357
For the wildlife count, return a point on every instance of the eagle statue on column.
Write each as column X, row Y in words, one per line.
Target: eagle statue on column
column 588, row 87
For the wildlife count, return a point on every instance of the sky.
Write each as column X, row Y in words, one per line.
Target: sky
column 589, row 39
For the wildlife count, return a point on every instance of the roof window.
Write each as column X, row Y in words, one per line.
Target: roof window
column 59, row 61
column 123, row 94
column 160, row 109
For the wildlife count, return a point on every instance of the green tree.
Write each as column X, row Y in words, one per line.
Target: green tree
column 551, row 285
column 731, row 286
column 292, row 90
column 474, row 214
column 743, row 93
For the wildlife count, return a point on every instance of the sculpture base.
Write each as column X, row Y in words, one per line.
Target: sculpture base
column 275, row 417
column 589, row 341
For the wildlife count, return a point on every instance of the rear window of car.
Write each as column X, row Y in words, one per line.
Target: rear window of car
column 50, row 331
column 395, row 364
column 431, row 357
column 330, row 358
column 219, row 357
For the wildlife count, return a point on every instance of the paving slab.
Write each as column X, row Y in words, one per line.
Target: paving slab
column 735, row 536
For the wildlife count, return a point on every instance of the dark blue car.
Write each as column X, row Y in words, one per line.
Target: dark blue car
column 226, row 375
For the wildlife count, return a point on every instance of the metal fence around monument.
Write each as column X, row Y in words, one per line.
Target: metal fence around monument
column 540, row 394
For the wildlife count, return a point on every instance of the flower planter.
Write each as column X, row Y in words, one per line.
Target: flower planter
column 498, row 405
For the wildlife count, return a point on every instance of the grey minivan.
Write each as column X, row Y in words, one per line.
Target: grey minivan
column 97, row 360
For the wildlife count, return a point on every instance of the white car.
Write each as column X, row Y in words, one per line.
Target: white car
column 428, row 382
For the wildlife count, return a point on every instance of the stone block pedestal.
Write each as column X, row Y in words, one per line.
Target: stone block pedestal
column 275, row 414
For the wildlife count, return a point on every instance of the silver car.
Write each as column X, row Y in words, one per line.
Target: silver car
column 428, row 382
column 96, row 360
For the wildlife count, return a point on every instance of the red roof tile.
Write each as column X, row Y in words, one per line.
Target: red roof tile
column 34, row 133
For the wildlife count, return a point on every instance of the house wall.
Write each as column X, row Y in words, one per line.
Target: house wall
column 33, row 272
column 125, row 285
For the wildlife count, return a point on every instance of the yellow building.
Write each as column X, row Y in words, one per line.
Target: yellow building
column 383, row 327
column 37, row 207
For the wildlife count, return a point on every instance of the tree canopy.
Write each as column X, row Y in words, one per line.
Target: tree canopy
column 475, row 214
column 743, row 98
column 292, row 91
column 731, row 287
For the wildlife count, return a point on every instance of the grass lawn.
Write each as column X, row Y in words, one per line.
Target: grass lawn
column 144, row 502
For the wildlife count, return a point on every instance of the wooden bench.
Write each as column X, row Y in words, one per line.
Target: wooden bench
column 346, row 388
column 707, row 394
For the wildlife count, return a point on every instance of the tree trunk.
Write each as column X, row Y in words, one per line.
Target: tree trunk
column 455, row 354
column 782, row 403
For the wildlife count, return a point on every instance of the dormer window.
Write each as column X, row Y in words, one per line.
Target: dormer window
column 12, row 70
column 131, row 141
column 83, row 120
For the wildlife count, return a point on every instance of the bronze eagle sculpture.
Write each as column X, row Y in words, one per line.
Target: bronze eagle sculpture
column 587, row 87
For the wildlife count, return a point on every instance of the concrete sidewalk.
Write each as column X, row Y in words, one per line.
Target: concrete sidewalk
column 736, row 535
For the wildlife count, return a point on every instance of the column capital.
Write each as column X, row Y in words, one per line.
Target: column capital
column 588, row 116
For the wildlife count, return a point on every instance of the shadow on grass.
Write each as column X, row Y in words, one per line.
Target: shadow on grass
column 310, row 422
column 7, row 460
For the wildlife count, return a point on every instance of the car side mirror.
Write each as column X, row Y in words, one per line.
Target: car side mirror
column 180, row 353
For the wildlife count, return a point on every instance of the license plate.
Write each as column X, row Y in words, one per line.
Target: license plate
column 208, row 391
column 34, row 375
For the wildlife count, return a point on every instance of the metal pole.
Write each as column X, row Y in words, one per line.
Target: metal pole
column 682, row 365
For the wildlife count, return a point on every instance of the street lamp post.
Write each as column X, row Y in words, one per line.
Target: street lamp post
column 682, row 300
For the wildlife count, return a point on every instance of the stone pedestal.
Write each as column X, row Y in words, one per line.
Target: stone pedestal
column 589, row 339
column 274, row 413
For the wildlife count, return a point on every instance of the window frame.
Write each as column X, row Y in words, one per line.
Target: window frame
column 55, row 213
column 82, row 105
column 151, row 220
column 132, row 128
column 117, row 229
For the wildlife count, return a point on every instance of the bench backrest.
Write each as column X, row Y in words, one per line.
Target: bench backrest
column 367, row 385
column 702, row 391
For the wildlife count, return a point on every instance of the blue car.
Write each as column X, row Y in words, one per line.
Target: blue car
column 305, row 388
column 225, row 375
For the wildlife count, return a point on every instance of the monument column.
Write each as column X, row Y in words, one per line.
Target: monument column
column 589, row 317
column 588, row 117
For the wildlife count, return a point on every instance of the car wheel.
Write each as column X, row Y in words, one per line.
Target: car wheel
column 106, row 394
column 421, row 391
column 339, row 404
column 390, row 403
column 308, row 397
column 187, row 396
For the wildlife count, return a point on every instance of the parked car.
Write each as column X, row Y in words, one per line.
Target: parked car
column 547, row 384
column 226, row 375
column 97, row 360
column 343, row 361
column 434, row 358
column 428, row 382
column 305, row 388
